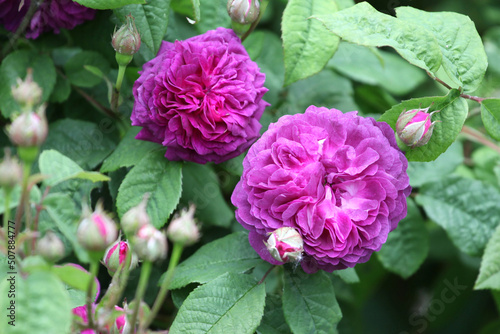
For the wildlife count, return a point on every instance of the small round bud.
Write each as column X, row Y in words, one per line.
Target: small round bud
column 27, row 93
column 285, row 244
column 243, row 11
column 414, row 127
column 135, row 218
column 150, row 244
column 11, row 172
column 29, row 129
column 116, row 254
column 127, row 40
column 50, row 247
column 96, row 231
column 183, row 229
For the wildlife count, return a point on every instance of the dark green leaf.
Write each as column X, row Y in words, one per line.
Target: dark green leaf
column 78, row 75
column 213, row 14
column 108, row 4
column 490, row 113
column 273, row 321
column 489, row 273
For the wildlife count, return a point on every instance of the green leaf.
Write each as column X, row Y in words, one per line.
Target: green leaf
column 309, row 303
column 151, row 19
column 42, row 305
column 273, row 321
column 407, row 246
column 15, row 197
column 466, row 209
column 189, row 8
column 78, row 75
column 75, row 277
column 232, row 253
column 343, row 4
column 364, row 25
column 129, row 152
column 155, row 175
column 236, row 306
column 348, row 275
column 213, row 14
column 452, row 116
column 201, row 187
column 464, row 58
column 83, row 142
column 490, row 114
column 108, row 4
column 306, row 43
column 489, row 272
column 14, row 66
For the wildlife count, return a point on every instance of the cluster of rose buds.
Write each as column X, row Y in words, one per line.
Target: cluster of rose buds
column 243, row 11
column 414, row 127
column 285, row 244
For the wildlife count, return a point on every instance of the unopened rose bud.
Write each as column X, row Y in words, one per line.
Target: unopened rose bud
column 27, row 92
column 183, row 229
column 285, row 244
column 11, row 172
column 150, row 244
column 135, row 218
column 96, row 231
column 50, row 247
column 126, row 41
column 29, row 129
column 414, row 127
column 243, row 11
column 116, row 254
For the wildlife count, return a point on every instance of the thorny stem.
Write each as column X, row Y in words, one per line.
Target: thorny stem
column 263, row 7
column 265, row 275
column 465, row 96
column 141, row 289
column 479, row 137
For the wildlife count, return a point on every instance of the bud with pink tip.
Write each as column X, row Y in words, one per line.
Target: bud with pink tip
column 29, row 129
column 50, row 247
column 243, row 11
column 116, row 254
column 27, row 92
column 414, row 127
column 97, row 231
column 135, row 218
column 183, row 229
column 11, row 172
column 150, row 244
column 285, row 244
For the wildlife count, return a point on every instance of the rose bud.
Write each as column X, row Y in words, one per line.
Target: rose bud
column 50, row 247
column 135, row 218
column 243, row 11
column 116, row 254
column 11, row 172
column 285, row 244
column 27, row 93
column 97, row 231
column 29, row 129
column 150, row 244
column 183, row 229
column 414, row 127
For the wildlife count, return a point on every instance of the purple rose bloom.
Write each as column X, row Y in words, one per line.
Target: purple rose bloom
column 339, row 179
column 51, row 15
column 201, row 98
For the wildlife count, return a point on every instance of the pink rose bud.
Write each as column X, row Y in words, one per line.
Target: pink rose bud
column 150, row 244
column 50, row 247
column 183, row 229
column 116, row 254
column 285, row 244
column 97, row 231
column 29, row 129
column 126, row 41
column 243, row 11
column 27, row 93
column 11, row 172
column 414, row 127
column 135, row 218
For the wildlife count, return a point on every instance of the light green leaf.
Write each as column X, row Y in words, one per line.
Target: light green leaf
column 42, row 305
column 232, row 253
column 273, row 321
column 490, row 114
column 348, row 275
column 452, row 116
column 236, row 306
column 155, row 175
column 151, row 19
column 407, row 246
column 108, row 4
column 489, row 272
column 309, row 303
column 467, row 210
column 78, row 75
column 75, row 277
column 343, row 4
column 364, row 25
column 306, row 43
column 14, row 66
column 464, row 58
column 129, row 152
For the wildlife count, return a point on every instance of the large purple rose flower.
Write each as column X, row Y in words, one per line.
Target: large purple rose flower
column 201, row 98
column 339, row 179
column 51, row 15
